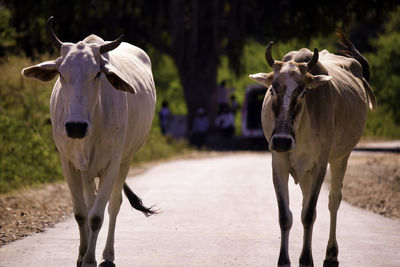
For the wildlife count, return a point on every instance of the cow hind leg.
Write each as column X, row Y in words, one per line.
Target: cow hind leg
column 113, row 210
column 338, row 169
column 96, row 212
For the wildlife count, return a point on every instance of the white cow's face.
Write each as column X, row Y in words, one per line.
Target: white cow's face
column 80, row 68
column 80, row 72
column 287, row 86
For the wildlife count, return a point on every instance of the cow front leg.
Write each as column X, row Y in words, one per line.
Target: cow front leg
column 113, row 210
column 74, row 181
column 311, row 186
column 280, row 178
column 338, row 169
column 96, row 213
column 87, row 184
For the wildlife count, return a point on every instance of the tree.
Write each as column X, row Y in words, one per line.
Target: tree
column 7, row 33
column 198, row 31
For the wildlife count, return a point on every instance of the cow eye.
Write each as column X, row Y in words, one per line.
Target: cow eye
column 98, row 75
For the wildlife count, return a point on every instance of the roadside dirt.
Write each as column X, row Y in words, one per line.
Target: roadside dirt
column 372, row 182
column 32, row 210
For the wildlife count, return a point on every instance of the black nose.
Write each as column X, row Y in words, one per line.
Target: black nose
column 282, row 143
column 76, row 129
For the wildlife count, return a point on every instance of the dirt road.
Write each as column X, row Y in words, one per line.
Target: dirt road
column 219, row 211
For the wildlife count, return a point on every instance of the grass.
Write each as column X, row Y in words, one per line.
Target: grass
column 159, row 147
column 380, row 125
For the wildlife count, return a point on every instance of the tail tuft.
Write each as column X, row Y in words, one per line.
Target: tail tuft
column 137, row 203
column 349, row 50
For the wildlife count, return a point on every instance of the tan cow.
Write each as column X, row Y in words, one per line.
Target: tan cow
column 102, row 106
column 313, row 114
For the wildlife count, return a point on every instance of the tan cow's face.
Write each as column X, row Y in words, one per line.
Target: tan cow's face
column 287, row 85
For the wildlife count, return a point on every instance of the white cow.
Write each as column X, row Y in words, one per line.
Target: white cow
column 313, row 114
column 102, row 106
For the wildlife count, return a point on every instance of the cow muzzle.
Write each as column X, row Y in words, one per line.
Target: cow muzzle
column 76, row 130
column 282, row 143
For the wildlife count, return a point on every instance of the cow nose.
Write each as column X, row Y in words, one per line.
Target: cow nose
column 282, row 143
column 76, row 129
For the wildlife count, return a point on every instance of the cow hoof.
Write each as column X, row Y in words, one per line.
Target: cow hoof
column 107, row 263
column 285, row 265
column 331, row 263
column 79, row 264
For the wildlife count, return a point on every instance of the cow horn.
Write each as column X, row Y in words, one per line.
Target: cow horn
column 268, row 54
column 53, row 38
column 111, row 45
column 314, row 59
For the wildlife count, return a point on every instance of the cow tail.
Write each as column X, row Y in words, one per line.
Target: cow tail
column 137, row 203
column 349, row 50
column 370, row 95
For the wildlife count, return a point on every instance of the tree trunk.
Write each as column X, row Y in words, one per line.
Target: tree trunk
column 195, row 44
column 200, row 90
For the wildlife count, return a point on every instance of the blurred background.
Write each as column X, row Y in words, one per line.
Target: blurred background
column 198, row 50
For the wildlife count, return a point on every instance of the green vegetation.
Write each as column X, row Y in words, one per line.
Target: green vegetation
column 385, row 66
column 381, row 125
column 385, row 80
column 27, row 154
column 160, row 147
column 168, row 86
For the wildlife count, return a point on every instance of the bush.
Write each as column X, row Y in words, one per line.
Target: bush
column 385, row 80
column 380, row 125
column 168, row 86
column 27, row 153
column 159, row 147
column 26, row 157
column 385, row 70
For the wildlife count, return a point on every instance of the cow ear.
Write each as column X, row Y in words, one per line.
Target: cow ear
column 263, row 78
column 318, row 80
column 45, row 71
column 116, row 78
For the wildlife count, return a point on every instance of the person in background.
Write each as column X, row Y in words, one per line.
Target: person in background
column 234, row 104
column 164, row 116
column 201, row 125
column 225, row 121
column 223, row 94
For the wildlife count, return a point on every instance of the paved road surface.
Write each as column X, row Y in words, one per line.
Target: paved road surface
column 219, row 211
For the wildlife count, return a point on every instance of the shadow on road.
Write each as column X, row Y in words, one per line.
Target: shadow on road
column 236, row 143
